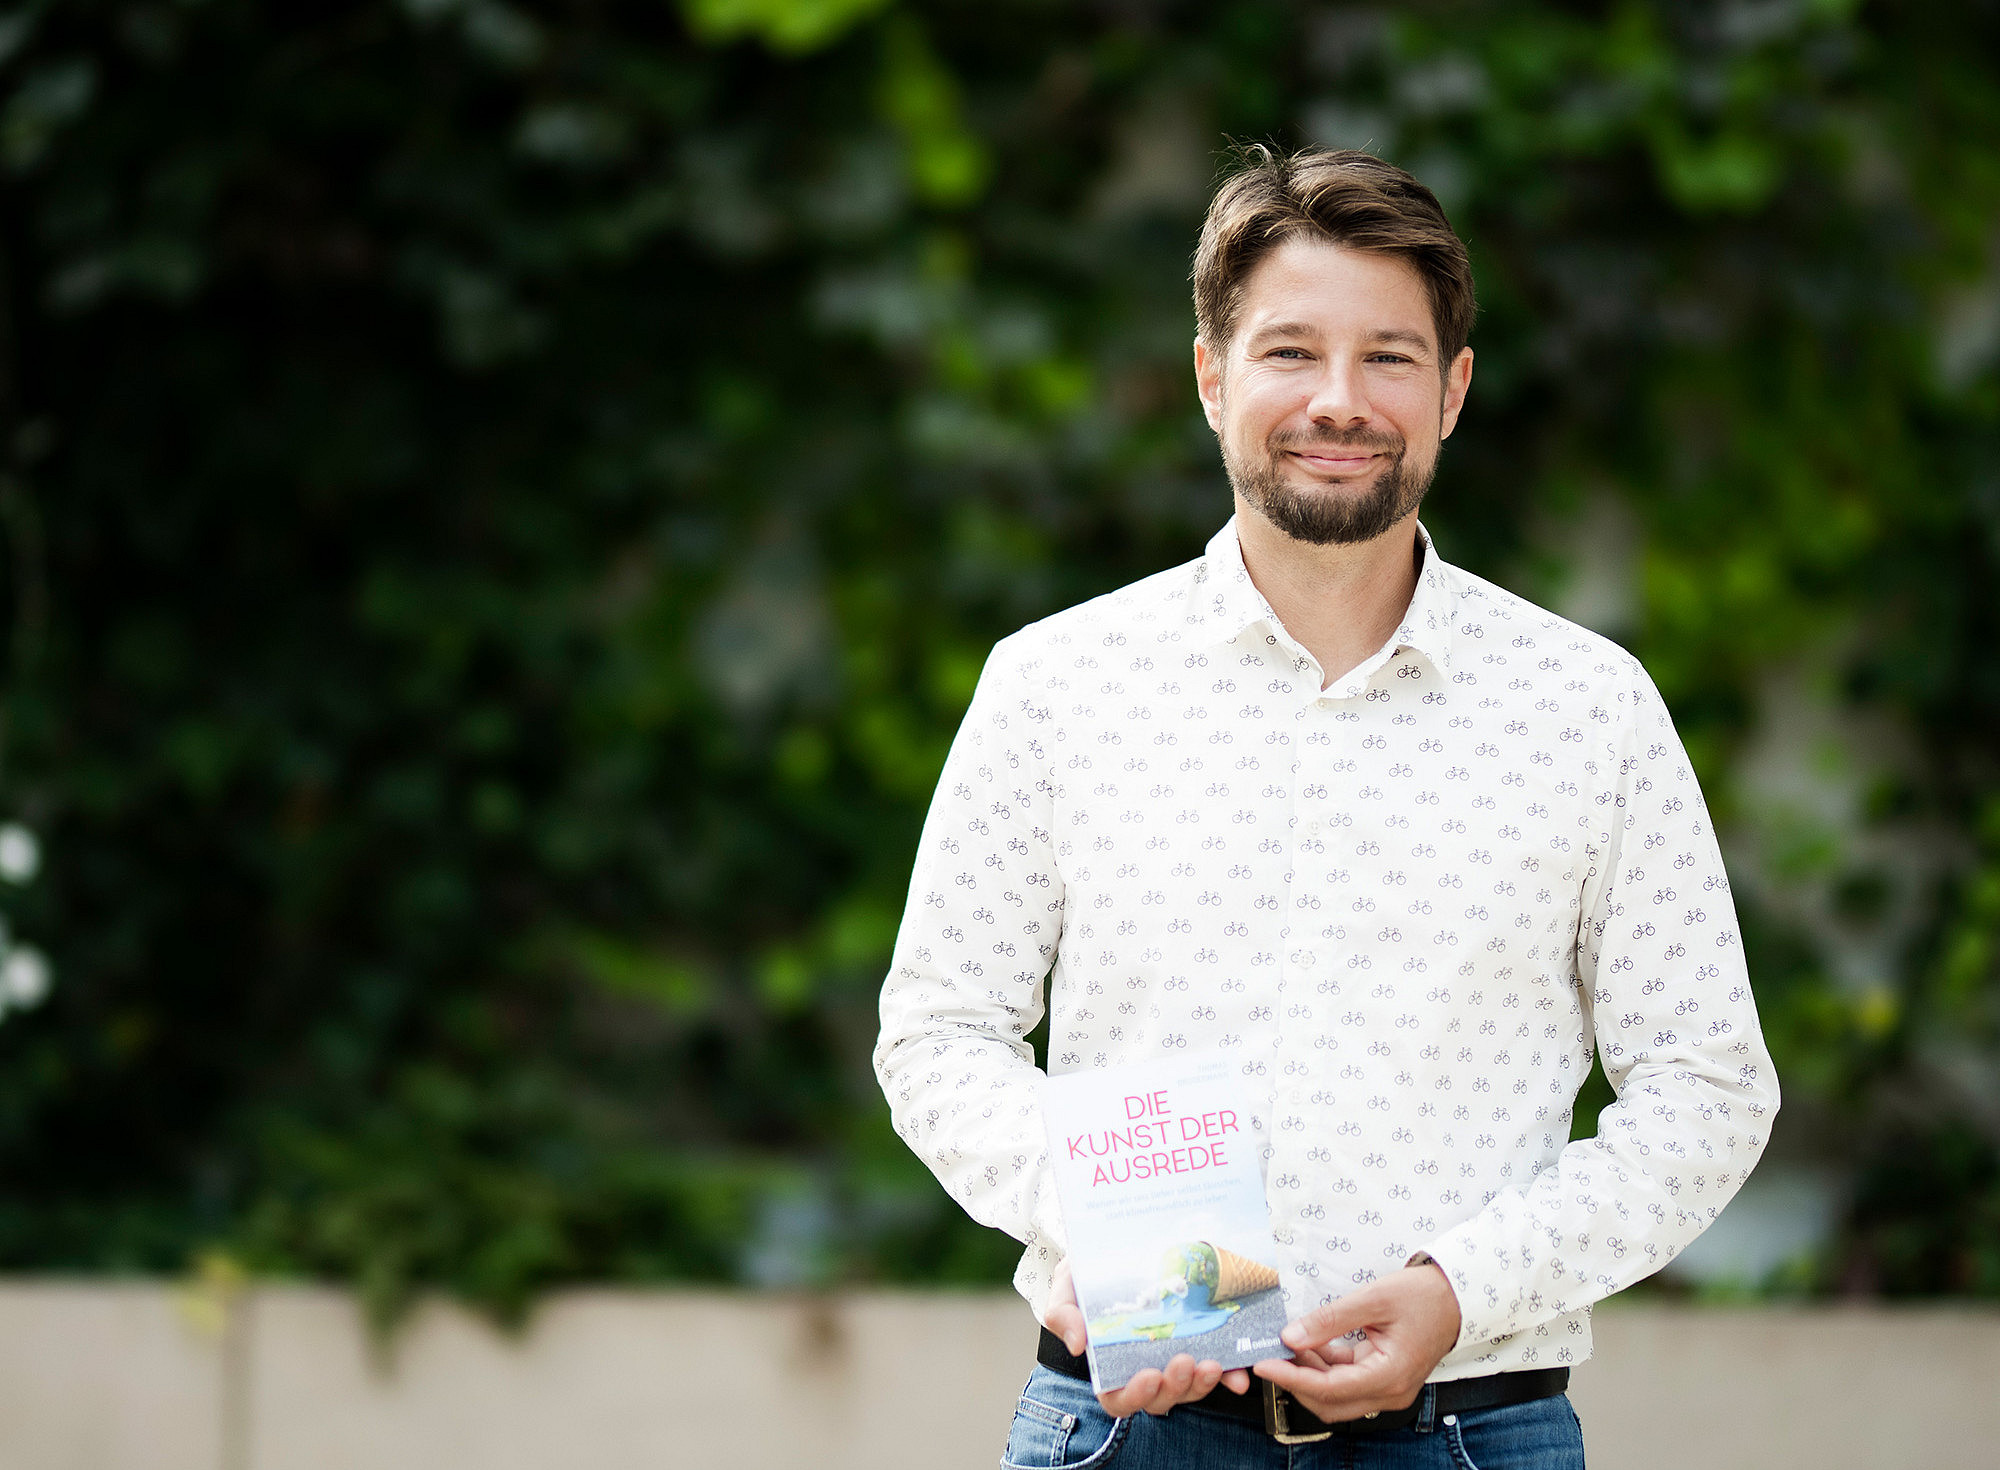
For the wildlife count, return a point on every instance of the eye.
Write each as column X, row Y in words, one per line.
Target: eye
column 1289, row 354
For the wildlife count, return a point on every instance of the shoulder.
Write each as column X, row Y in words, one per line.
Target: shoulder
column 1510, row 646
column 1132, row 624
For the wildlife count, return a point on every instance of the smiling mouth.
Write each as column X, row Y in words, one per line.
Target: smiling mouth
column 1335, row 463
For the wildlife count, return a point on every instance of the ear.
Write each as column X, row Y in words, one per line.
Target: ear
column 1457, row 379
column 1208, row 383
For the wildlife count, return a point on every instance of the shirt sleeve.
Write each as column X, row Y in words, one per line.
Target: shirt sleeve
column 965, row 986
column 1659, row 963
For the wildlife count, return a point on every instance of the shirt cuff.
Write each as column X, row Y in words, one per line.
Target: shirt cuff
column 1425, row 1258
column 1485, row 1281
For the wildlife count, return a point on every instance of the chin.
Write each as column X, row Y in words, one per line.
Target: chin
column 1352, row 491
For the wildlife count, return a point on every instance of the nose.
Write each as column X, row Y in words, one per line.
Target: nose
column 1339, row 396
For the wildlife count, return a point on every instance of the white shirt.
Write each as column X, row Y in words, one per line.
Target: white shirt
column 1405, row 903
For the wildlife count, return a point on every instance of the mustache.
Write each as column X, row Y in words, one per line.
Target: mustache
column 1375, row 443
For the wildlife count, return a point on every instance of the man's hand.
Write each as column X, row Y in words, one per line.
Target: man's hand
column 1410, row 1320
column 1155, row 1390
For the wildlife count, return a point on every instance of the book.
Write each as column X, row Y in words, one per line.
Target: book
column 1170, row 1243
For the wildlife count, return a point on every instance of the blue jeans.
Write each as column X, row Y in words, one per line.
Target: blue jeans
column 1059, row 1423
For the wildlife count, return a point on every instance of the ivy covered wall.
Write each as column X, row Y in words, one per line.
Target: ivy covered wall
column 503, row 505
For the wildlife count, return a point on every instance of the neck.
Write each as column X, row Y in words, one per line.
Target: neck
column 1340, row 602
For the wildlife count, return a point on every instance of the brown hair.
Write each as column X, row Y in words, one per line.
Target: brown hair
column 1341, row 196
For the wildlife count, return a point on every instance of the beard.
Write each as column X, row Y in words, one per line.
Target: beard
column 1323, row 516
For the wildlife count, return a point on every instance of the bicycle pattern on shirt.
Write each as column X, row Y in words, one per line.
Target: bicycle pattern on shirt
column 1408, row 903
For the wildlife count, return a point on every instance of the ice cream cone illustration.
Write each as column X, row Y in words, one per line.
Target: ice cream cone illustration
column 1239, row 1276
column 1217, row 1274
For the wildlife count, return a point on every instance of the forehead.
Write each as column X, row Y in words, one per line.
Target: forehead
column 1336, row 290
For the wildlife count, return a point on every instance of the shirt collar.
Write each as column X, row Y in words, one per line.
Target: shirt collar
column 1224, row 602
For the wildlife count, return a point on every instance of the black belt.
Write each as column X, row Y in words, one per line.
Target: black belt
column 1283, row 1417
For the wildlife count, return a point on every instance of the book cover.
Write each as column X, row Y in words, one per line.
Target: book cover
column 1169, row 1243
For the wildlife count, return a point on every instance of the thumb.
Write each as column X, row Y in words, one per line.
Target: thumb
column 1064, row 1314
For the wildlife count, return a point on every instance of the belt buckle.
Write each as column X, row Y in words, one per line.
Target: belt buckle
column 1277, row 1423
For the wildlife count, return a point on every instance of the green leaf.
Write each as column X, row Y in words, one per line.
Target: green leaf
column 789, row 27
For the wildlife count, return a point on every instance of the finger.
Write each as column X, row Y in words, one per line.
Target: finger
column 1065, row 1314
column 1343, row 1411
column 1324, row 1357
column 1068, row 1324
column 1183, row 1380
column 1165, row 1401
column 1345, row 1391
column 1143, row 1393
column 1342, row 1381
column 1199, row 1383
column 1065, row 1320
column 1179, row 1382
column 1139, row 1389
column 1355, row 1406
column 1336, row 1319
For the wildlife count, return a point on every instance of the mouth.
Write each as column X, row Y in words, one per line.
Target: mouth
column 1337, row 464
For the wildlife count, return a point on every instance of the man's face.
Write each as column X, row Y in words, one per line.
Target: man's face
column 1328, row 402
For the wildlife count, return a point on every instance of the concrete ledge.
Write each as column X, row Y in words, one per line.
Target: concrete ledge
column 102, row 1376
column 1872, row 1388
column 146, row 1377
column 620, row 1381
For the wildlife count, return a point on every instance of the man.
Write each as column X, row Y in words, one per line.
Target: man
column 1396, row 841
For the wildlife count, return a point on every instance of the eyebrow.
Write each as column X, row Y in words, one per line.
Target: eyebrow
column 1400, row 338
column 1283, row 329
column 1388, row 336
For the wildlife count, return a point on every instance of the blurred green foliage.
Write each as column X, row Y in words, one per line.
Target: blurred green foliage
column 504, row 504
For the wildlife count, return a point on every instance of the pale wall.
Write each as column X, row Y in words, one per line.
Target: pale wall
column 144, row 1377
